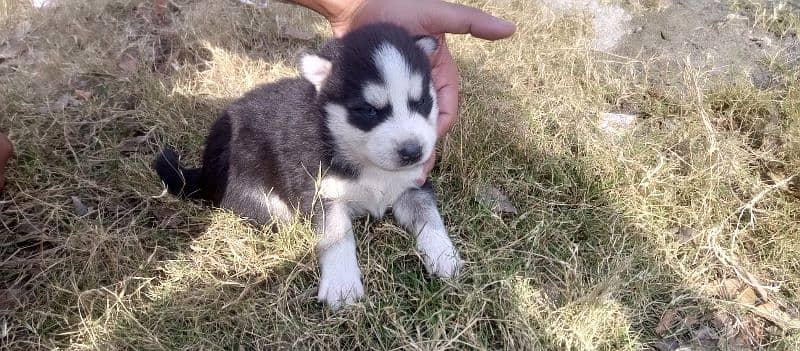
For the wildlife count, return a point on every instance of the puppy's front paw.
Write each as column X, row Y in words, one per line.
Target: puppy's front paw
column 340, row 286
column 440, row 257
column 447, row 266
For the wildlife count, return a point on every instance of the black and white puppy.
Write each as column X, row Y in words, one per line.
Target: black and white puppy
column 346, row 139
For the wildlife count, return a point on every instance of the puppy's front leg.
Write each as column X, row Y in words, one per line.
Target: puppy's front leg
column 417, row 212
column 340, row 282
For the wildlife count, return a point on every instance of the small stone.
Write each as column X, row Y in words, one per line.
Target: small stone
column 493, row 198
column 79, row 208
column 616, row 123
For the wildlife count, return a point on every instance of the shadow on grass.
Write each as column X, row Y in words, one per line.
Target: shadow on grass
column 573, row 270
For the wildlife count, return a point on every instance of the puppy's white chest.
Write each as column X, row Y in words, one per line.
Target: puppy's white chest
column 373, row 192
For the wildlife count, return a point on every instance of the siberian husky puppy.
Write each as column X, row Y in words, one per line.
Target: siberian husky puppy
column 347, row 138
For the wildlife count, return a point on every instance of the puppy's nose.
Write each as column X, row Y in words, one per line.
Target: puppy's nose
column 410, row 152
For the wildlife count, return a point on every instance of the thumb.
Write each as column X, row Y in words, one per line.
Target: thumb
column 459, row 19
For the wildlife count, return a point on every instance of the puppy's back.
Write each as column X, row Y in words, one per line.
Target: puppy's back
column 270, row 138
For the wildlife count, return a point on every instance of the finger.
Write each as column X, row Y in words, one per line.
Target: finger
column 459, row 19
column 445, row 81
column 426, row 168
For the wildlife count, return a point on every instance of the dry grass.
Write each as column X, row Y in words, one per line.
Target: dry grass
column 780, row 17
column 621, row 241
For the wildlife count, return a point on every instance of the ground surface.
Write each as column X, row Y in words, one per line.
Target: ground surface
column 673, row 224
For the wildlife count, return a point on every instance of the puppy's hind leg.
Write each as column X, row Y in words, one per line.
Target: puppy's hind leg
column 251, row 200
column 417, row 212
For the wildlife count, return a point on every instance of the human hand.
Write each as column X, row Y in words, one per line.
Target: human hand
column 420, row 17
column 6, row 152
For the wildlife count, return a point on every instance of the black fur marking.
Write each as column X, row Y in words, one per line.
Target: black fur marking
column 428, row 187
column 180, row 181
column 424, row 105
column 366, row 117
column 216, row 156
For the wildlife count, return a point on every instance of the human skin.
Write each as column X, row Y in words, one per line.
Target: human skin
column 6, row 151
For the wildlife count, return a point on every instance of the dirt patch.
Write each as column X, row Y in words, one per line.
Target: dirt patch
column 707, row 35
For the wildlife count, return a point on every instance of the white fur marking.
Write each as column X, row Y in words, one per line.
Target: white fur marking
column 428, row 45
column 316, row 69
column 340, row 282
column 376, row 95
column 396, row 74
column 340, row 277
column 416, row 88
column 373, row 192
column 278, row 210
column 350, row 139
column 439, row 255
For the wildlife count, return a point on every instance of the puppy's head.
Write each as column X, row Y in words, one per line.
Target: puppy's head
column 375, row 88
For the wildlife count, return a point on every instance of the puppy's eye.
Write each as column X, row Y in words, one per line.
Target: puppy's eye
column 367, row 111
column 422, row 102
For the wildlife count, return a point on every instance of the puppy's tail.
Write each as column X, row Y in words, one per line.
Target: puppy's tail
column 180, row 181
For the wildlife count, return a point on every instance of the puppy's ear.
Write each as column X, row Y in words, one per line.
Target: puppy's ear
column 427, row 43
column 315, row 68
